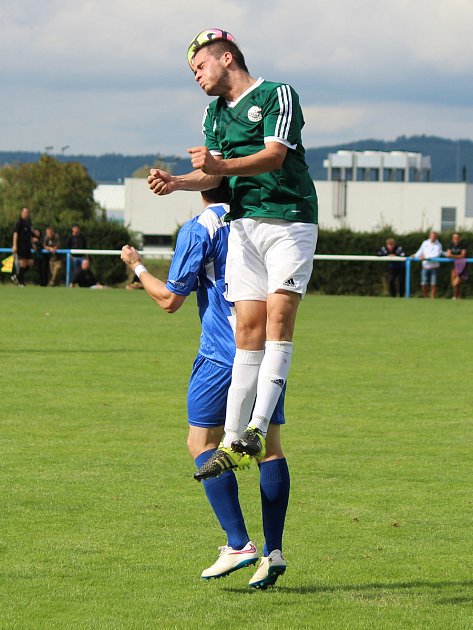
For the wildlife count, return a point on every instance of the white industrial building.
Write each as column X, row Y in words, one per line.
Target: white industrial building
column 111, row 197
column 405, row 207
column 392, row 166
column 375, row 190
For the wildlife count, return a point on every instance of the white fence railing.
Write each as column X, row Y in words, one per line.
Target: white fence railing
column 166, row 254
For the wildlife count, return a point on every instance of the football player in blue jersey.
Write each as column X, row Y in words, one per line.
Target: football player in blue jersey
column 198, row 265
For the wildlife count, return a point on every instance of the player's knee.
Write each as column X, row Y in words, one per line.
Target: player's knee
column 200, row 440
column 280, row 330
column 251, row 325
column 251, row 338
column 190, row 445
column 195, row 445
column 282, row 316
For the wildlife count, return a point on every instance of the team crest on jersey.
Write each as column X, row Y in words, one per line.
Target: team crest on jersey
column 254, row 114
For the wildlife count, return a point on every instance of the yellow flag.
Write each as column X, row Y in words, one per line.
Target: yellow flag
column 7, row 264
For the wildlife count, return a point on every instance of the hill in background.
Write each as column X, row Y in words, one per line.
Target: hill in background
column 450, row 158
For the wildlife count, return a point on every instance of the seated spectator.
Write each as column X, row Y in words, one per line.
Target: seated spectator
column 396, row 268
column 85, row 277
column 51, row 244
column 457, row 250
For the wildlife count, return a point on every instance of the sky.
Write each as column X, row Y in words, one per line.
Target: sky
column 102, row 76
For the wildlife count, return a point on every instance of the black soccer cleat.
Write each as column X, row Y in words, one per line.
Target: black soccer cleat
column 219, row 462
column 251, row 442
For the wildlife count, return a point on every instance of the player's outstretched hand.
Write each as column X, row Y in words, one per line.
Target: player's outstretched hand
column 129, row 255
column 161, row 182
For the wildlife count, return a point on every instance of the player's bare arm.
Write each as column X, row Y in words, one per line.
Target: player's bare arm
column 163, row 183
column 154, row 287
column 268, row 159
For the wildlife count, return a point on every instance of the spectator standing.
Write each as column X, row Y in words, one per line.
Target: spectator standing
column 76, row 240
column 396, row 268
column 430, row 248
column 52, row 243
column 40, row 259
column 457, row 249
column 22, row 244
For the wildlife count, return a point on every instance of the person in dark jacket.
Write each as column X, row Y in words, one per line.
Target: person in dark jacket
column 22, row 245
column 396, row 268
column 76, row 240
column 85, row 277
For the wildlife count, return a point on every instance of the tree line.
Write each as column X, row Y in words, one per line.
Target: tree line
column 452, row 160
column 60, row 194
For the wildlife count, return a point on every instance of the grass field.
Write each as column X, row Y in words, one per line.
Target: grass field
column 102, row 525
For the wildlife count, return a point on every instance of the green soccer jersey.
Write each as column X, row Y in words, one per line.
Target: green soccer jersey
column 265, row 112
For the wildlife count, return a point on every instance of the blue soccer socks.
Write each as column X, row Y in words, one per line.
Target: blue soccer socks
column 222, row 493
column 274, row 488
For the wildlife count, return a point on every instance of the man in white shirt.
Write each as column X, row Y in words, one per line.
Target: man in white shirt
column 430, row 248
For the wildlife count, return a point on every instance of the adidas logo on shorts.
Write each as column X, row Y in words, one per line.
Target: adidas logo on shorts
column 289, row 283
column 278, row 381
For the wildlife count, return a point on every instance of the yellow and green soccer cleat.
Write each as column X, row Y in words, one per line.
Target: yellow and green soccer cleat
column 251, row 442
column 222, row 460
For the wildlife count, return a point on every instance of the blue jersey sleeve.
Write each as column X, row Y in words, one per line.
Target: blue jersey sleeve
column 191, row 248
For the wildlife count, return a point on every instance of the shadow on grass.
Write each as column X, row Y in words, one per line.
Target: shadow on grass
column 381, row 586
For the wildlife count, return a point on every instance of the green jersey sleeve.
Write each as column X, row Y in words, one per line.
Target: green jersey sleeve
column 282, row 114
column 208, row 129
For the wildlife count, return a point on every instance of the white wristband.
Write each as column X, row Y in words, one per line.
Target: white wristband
column 139, row 270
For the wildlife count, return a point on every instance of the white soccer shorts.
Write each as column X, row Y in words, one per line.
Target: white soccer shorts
column 266, row 255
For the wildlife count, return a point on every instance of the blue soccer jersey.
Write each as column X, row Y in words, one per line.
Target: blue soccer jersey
column 198, row 265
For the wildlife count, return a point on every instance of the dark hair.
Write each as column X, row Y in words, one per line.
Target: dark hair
column 219, row 46
column 219, row 194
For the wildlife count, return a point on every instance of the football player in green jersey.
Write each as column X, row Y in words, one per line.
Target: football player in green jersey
column 253, row 136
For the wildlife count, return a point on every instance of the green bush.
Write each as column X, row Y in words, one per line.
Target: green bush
column 109, row 270
column 333, row 277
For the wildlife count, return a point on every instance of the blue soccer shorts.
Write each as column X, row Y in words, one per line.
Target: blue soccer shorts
column 207, row 395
